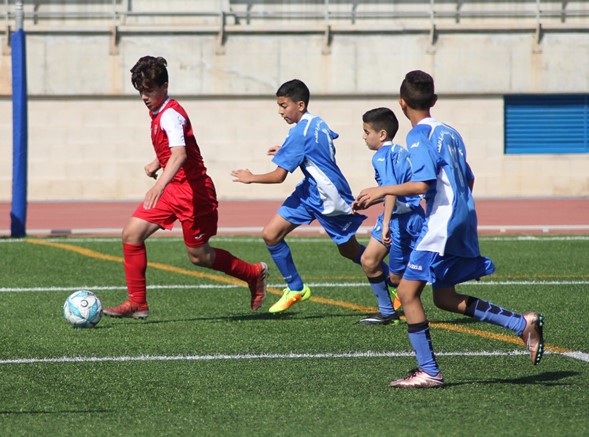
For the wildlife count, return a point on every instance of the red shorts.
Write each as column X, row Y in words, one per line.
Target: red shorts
column 194, row 204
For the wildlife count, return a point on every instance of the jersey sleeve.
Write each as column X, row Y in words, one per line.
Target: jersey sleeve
column 292, row 153
column 173, row 123
column 422, row 161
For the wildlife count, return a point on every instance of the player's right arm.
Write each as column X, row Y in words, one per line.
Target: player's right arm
column 389, row 206
column 245, row 176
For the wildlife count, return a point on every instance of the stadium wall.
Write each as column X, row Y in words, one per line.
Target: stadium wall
column 89, row 136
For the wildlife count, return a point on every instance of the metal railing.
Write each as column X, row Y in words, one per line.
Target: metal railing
column 224, row 17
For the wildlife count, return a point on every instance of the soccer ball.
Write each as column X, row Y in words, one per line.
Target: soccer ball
column 82, row 309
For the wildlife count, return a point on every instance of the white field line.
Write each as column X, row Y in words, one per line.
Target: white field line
column 220, row 357
column 162, row 238
column 277, row 285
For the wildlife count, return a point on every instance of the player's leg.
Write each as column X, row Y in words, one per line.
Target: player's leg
column 416, row 276
column 528, row 326
column 371, row 264
column 135, row 232
column 200, row 253
column 274, row 234
column 427, row 374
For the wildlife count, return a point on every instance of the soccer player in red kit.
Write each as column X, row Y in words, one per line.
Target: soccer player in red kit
column 183, row 191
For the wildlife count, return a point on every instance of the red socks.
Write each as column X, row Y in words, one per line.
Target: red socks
column 135, row 266
column 227, row 263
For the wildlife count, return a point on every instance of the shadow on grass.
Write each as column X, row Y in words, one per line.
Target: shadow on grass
column 546, row 379
column 236, row 318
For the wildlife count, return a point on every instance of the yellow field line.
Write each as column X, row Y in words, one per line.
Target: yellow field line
column 228, row 280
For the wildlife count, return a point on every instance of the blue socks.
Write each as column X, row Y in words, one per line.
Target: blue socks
column 381, row 291
column 422, row 345
column 487, row 312
column 282, row 257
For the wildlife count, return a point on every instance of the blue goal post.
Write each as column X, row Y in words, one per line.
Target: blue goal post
column 18, row 213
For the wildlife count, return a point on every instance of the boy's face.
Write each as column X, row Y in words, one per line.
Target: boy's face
column 290, row 110
column 154, row 95
column 373, row 138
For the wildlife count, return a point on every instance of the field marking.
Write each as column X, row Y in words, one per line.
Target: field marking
column 326, row 301
column 256, row 230
column 162, row 238
column 277, row 286
column 581, row 356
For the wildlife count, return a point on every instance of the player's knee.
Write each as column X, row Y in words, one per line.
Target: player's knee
column 202, row 257
column 270, row 238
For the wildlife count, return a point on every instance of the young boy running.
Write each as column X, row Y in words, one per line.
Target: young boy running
column 398, row 227
column 323, row 195
column 447, row 252
column 183, row 192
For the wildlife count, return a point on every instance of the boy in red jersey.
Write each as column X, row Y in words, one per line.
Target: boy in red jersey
column 182, row 192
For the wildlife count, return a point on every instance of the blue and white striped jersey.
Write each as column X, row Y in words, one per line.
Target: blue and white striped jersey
column 438, row 156
column 309, row 145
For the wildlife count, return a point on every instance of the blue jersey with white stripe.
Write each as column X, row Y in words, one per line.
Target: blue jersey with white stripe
column 438, row 156
column 392, row 166
column 309, row 145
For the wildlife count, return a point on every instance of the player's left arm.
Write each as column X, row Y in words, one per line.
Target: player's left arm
column 369, row 196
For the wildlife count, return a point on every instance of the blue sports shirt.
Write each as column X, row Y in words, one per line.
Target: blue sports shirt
column 309, row 145
column 392, row 166
column 438, row 156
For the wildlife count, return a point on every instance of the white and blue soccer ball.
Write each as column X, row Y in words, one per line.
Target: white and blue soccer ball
column 82, row 309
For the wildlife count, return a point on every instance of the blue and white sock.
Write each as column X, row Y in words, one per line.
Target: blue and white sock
column 282, row 257
column 422, row 345
column 488, row 312
column 381, row 291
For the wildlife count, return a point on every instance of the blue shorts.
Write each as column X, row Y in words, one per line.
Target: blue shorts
column 405, row 230
column 340, row 228
column 446, row 271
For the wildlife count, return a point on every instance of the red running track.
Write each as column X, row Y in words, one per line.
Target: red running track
column 496, row 216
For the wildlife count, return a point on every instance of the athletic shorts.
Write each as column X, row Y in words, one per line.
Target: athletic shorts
column 405, row 230
column 446, row 271
column 340, row 228
column 194, row 205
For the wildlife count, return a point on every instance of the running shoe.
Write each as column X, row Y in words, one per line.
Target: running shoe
column 379, row 319
column 289, row 298
column 533, row 336
column 258, row 286
column 417, row 378
column 128, row 309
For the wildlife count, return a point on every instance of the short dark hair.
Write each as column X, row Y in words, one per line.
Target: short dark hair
column 296, row 90
column 149, row 71
column 382, row 119
column 417, row 89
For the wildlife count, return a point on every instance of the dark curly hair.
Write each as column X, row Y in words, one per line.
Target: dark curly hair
column 149, row 71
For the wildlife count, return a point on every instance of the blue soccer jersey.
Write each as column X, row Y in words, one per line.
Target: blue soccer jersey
column 438, row 156
column 392, row 166
column 309, row 145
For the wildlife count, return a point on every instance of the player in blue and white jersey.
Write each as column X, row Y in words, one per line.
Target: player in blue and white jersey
column 398, row 227
column 447, row 252
column 323, row 195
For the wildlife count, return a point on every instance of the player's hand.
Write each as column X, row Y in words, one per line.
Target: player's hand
column 272, row 150
column 386, row 235
column 152, row 196
column 368, row 196
column 151, row 169
column 245, row 176
column 356, row 206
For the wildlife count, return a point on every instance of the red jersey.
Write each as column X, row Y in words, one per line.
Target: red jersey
column 171, row 127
